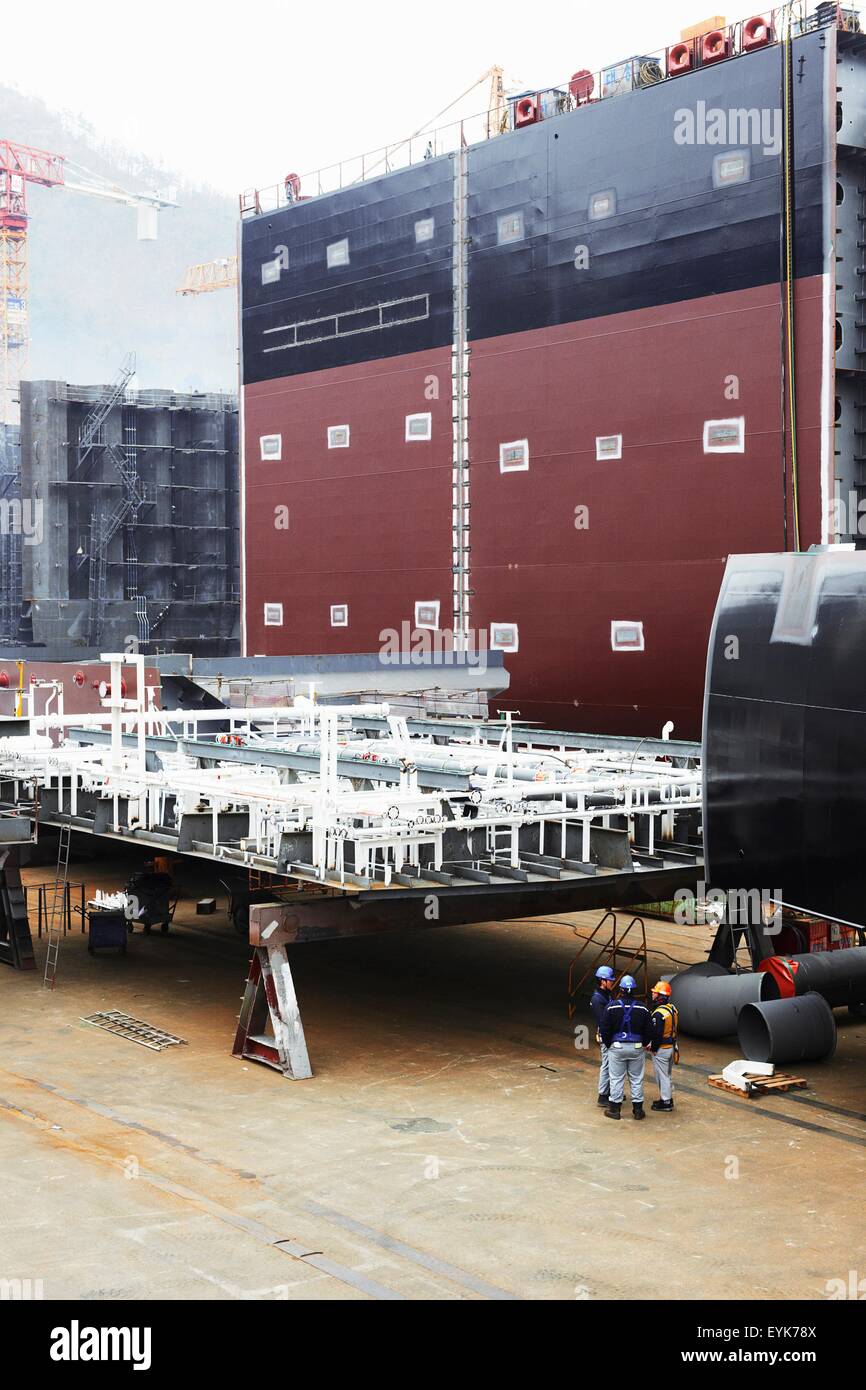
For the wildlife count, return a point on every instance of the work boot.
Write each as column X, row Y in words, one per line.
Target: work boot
column 662, row 1105
column 603, row 1098
column 637, row 1111
column 613, row 1109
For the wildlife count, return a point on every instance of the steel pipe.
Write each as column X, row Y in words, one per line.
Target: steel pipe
column 788, row 1030
column 709, row 1000
column 840, row 976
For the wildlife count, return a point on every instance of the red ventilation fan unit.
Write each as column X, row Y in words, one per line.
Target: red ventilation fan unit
column 715, row 46
column 757, row 33
column 681, row 58
column 527, row 110
column 582, row 86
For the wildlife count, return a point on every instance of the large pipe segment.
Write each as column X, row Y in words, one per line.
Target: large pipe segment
column 839, row 976
column 709, row 1000
column 802, row 1029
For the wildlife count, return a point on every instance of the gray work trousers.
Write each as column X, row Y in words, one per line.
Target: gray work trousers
column 663, row 1066
column 630, row 1059
column 604, row 1073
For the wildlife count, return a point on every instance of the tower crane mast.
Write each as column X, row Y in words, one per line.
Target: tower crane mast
column 21, row 165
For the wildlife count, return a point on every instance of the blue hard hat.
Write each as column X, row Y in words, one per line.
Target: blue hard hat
column 604, row 972
column 628, row 983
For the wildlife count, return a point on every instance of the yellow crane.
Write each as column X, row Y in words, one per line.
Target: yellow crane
column 21, row 167
column 210, row 275
column 497, row 105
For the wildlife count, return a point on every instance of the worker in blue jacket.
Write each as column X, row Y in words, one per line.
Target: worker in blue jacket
column 626, row 1031
column 605, row 981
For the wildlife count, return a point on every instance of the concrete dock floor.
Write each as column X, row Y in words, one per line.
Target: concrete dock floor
column 448, row 1147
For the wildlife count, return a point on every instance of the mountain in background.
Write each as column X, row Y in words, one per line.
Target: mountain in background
column 96, row 292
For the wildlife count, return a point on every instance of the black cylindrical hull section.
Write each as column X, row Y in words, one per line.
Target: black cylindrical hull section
column 709, row 1001
column 785, row 732
column 839, row 976
column 788, row 1030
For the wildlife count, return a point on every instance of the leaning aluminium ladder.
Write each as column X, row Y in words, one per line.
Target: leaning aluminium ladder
column 57, row 909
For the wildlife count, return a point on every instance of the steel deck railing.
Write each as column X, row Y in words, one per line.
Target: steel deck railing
column 581, row 89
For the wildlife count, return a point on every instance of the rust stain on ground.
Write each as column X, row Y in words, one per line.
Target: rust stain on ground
column 449, row 1034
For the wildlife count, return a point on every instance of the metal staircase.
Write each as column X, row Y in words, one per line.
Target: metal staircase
column 90, row 435
column 104, row 525
column 103, row 528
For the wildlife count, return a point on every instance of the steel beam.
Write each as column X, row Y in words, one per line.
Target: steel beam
column 491, row 731
column 380, row 771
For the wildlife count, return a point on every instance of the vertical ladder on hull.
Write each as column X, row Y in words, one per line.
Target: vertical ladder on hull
column 57, row 907
column 460, row 503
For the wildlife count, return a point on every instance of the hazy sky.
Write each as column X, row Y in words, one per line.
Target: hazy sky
column 238, row 94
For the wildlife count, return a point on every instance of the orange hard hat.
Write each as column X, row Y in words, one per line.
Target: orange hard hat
column 662, row 988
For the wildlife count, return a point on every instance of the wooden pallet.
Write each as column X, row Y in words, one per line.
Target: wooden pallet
column 760, row 1085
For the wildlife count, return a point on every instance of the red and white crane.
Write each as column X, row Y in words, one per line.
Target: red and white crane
column 21, row 165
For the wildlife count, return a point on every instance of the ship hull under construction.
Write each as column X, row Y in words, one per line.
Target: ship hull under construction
column 538, row 389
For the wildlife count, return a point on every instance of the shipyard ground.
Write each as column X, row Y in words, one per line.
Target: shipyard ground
column 448, row 1147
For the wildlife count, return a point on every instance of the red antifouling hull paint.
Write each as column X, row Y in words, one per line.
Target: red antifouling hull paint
column 565, row 547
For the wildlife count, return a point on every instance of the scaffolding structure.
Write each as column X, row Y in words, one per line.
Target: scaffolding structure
column 141, row 499
column 105, row 522
column 10, row 535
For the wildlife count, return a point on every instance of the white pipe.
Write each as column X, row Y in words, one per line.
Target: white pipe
column 186, row 717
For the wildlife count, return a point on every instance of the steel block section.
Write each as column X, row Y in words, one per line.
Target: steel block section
column 677, row 291
column 847, row 521
column 669, row 239
column 103, row 814
column 850, row 96
column 850, row 250
column 15, row 830
column 16, row 943
column 326, row 919
column 377, row 219
column 565, row 672
column 368, row 913
column 785, row 732
column 198, row 826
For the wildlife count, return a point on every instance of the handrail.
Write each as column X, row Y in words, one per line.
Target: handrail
column 476, row 129
column 607, row 952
